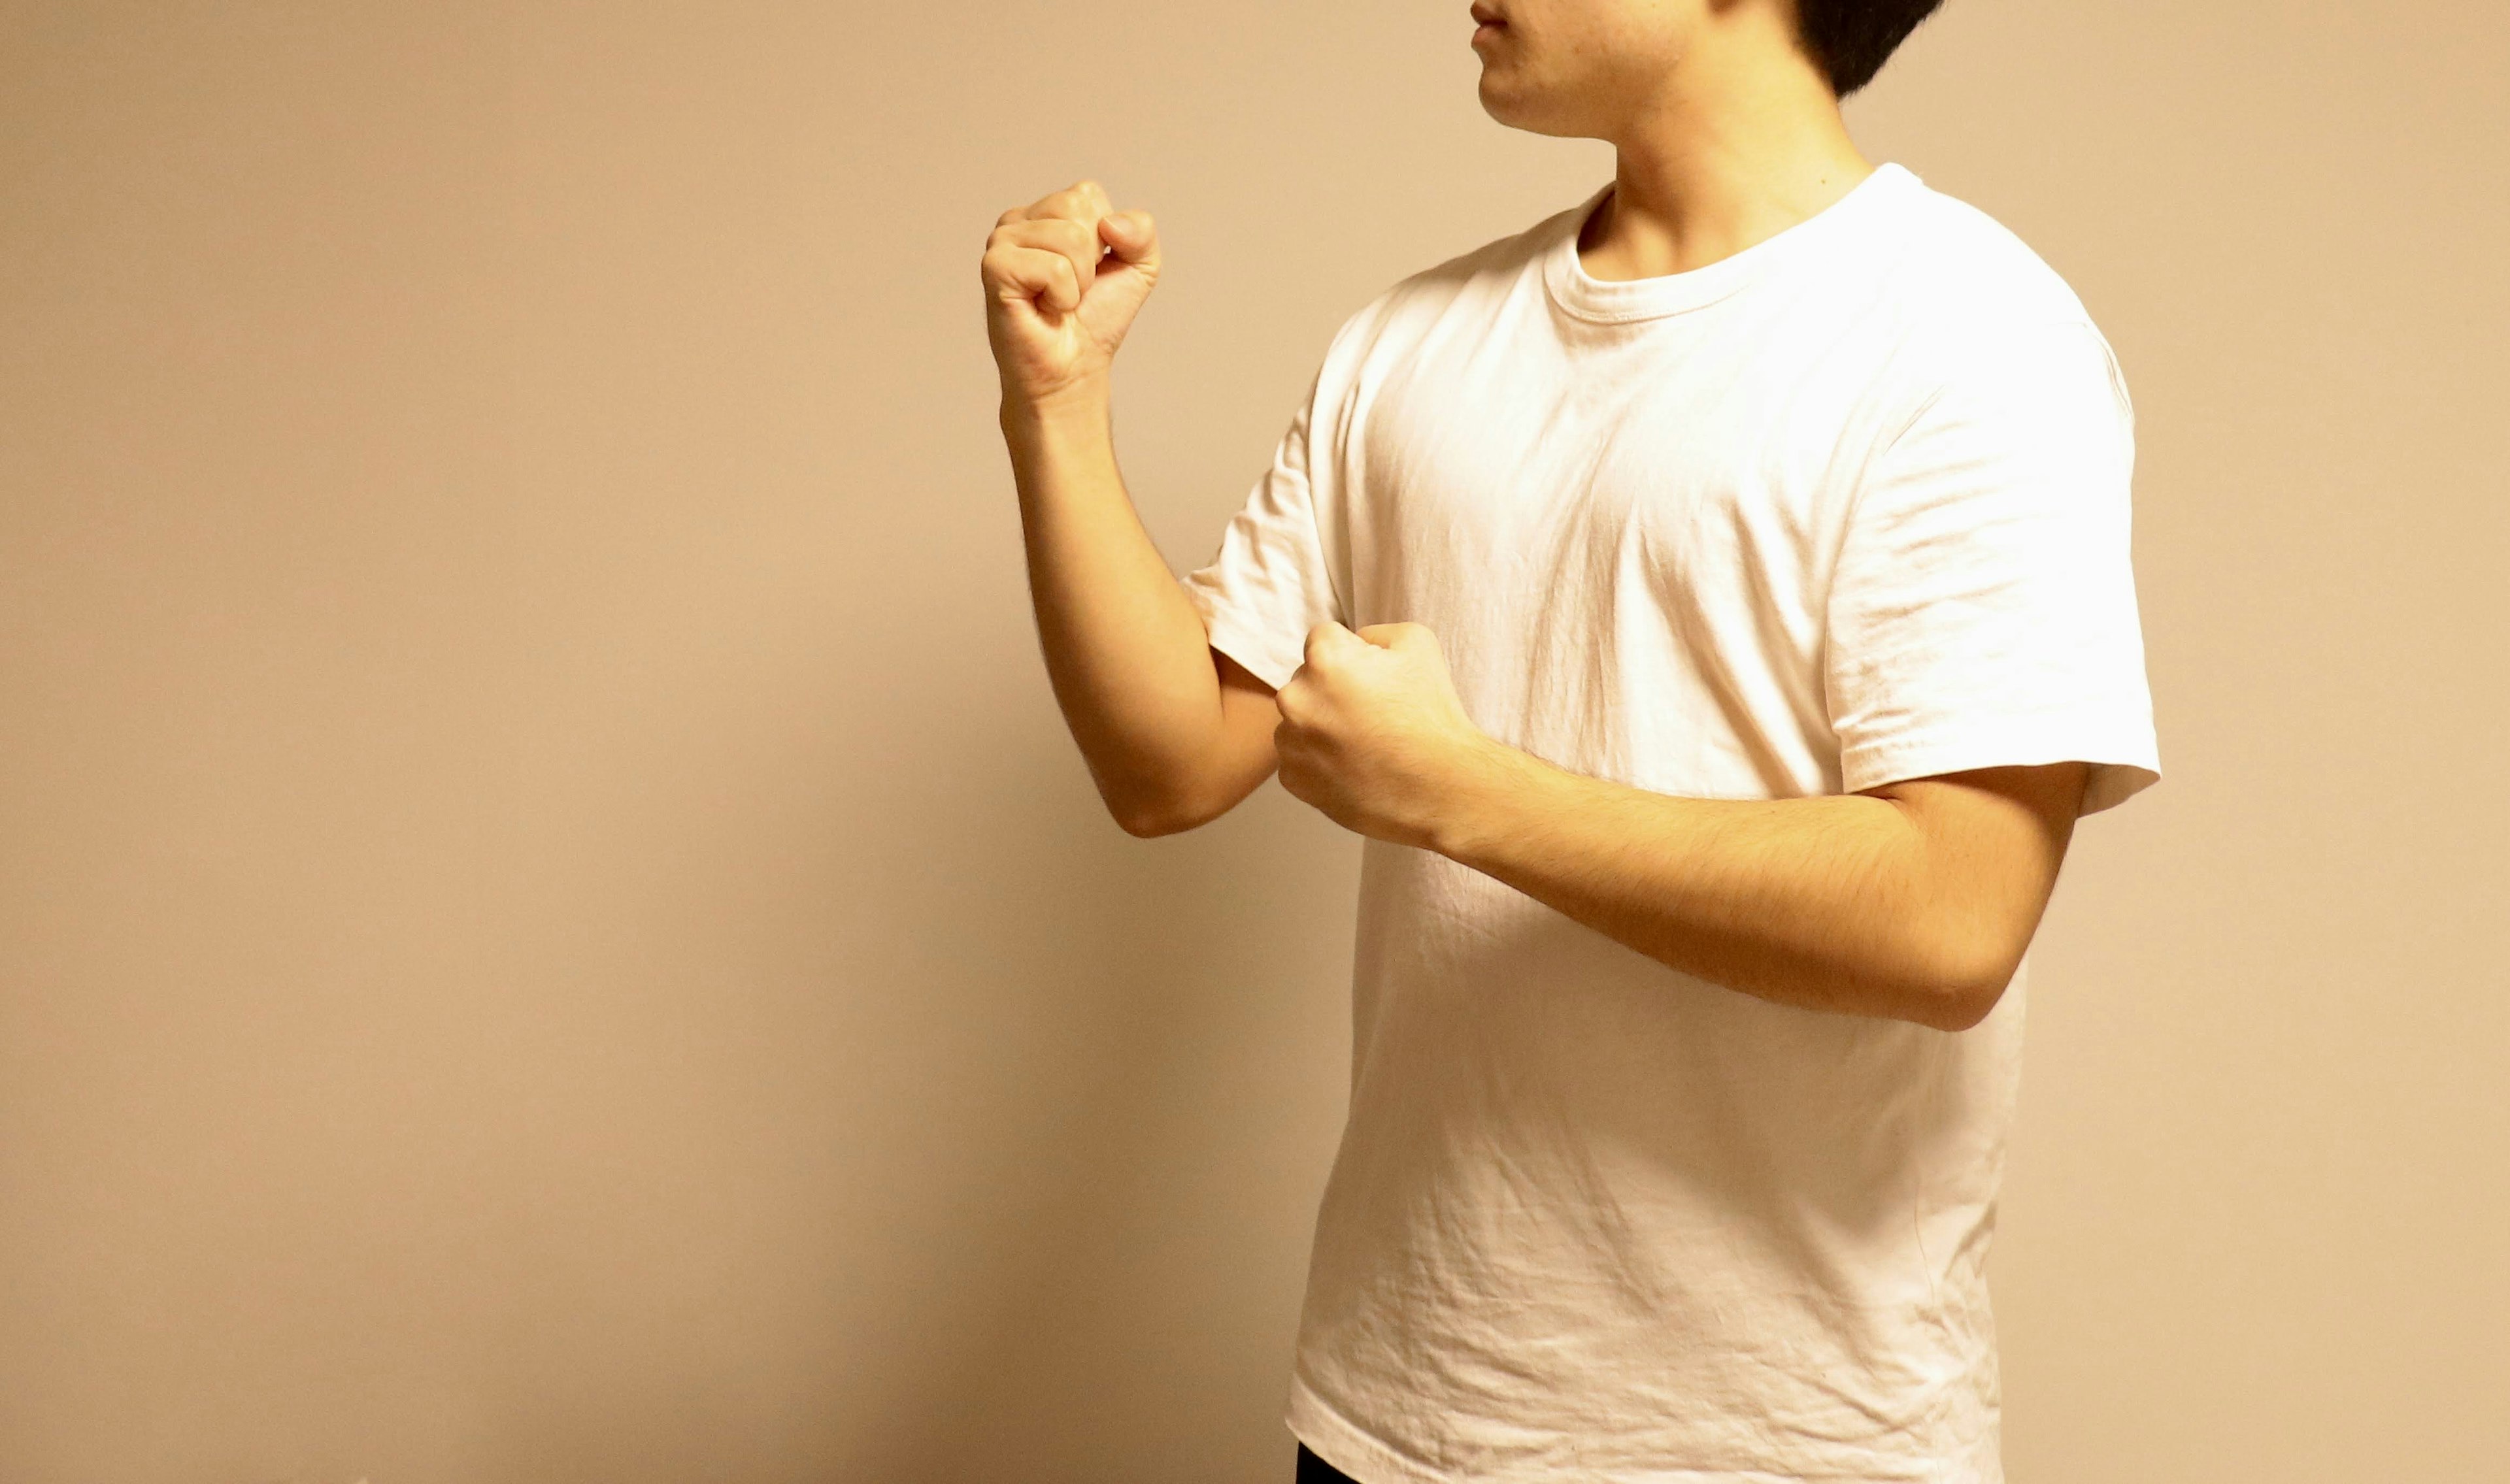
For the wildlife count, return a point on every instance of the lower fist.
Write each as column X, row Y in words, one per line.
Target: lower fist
column 1372, row 732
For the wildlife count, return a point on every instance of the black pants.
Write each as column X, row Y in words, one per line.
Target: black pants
column 1315, row 1471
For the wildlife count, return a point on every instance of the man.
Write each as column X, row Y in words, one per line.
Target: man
column 1714, row 607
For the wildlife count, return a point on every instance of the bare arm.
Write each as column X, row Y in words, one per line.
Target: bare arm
column 1174, row 733
column 1914, row 900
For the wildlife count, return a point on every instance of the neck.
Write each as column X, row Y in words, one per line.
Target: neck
column 1743, row 140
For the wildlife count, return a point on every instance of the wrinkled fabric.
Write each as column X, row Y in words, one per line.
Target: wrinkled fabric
column 1847, row 506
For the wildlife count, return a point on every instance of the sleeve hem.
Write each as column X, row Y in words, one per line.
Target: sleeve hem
column 2120, row 766
column 1256, row 646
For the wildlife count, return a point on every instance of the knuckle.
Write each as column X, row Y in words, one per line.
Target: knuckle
column 1047, row 232
column 1025, row 268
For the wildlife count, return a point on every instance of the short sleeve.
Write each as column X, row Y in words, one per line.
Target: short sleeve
column 1272, row 580
column 1983, row 609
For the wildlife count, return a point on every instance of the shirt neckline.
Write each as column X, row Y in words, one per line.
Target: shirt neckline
column 1610, row 301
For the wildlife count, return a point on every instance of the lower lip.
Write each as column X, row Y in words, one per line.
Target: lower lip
column 1486, row 30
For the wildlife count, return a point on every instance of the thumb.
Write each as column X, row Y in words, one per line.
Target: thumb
column 1133, row 236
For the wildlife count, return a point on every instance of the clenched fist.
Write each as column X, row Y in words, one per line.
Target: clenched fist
column 1064, row 277
column 1374, row 735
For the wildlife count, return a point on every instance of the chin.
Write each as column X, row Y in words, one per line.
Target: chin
column 1517, row 109
column 1501, row 101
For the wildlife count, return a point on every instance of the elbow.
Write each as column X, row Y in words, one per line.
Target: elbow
column 1967, row 992
column 1150, row 825
column 1169, row 800
column 1150, row 816
column 1957, row 1010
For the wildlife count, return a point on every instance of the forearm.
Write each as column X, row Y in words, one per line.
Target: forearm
column 1826, row 902
column 1125, row 651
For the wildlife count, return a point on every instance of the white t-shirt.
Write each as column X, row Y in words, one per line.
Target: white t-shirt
column 1847, row 507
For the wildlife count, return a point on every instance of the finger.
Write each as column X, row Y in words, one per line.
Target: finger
column 1080, row 202
column 1325, row 639
column 1032, row 273
column 1406, row 637
column 1055, row 234
column 1095, row 196
column 1085, row 203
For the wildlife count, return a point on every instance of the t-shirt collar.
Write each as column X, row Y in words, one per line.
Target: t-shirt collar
column 1588, row 297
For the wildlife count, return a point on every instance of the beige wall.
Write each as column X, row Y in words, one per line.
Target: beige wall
column 549, row 929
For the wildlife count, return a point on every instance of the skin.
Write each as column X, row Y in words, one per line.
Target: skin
column 1913, row 901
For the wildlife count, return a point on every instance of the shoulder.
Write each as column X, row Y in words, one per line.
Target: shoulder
column 1975, row 307
column 1475, row 283
column 1956, row 269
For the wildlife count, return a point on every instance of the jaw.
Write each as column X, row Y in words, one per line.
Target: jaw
column 1582, row 70
column 1517, row 102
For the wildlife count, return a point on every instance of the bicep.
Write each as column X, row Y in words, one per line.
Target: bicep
column 1242, row 756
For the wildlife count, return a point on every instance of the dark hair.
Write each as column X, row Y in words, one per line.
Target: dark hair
column 1850, row 39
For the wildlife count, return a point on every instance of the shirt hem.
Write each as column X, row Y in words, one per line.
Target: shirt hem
column 1369, row 1460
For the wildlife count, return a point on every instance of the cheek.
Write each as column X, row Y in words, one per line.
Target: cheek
column 1621, row 49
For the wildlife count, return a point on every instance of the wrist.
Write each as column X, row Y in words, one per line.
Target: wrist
column 1078, row 409
column 1482, row 793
